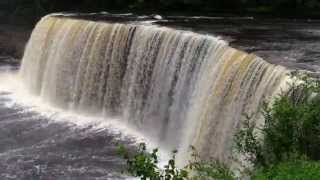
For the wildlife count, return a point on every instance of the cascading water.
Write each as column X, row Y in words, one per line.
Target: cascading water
column 178, row 88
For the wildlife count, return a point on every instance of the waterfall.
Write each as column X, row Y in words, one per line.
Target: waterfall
column 178, row 88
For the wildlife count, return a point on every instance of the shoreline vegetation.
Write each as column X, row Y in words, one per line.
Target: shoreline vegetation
column 286, row 147
column 29, row 11
column 290, row 145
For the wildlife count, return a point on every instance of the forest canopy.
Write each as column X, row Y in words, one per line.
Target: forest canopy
column 37, row 8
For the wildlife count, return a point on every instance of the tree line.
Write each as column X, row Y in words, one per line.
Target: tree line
column 37, row 8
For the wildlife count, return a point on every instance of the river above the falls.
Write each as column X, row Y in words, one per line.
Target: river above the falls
column 40, row 143
column 293, row 43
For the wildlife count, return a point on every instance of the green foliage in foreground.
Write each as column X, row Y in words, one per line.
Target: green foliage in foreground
column 286, row 147
column 208, row 169
column 299, row 170
column 291, row 130
column 145, row 166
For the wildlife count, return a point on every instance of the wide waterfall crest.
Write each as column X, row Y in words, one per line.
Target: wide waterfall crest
column 177, row 87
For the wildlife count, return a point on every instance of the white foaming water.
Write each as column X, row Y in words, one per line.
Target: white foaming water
column 177, row 88
column 18, row 95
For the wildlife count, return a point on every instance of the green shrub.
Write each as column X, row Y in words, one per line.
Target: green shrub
column 208, row 169
column 291, row 129
column 145, row 166
column 286, row 147
column 299, row 170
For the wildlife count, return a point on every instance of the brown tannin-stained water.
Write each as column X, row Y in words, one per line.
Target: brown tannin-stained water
column 86, row 85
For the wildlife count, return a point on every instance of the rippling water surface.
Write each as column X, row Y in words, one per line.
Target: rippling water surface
column 293, row 43
column 37, row 142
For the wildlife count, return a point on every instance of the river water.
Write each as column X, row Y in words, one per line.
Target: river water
column 39, row 142
column 291, row 43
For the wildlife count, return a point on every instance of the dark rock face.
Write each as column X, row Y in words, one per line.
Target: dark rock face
column 13, row 39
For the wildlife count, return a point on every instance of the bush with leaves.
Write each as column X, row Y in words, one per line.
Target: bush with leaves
column 297, row 170
column 145, row 166
column 291, row 129
column 287, row 146
column 208, row 169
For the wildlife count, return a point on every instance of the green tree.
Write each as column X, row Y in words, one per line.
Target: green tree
column 144, row 165
column 291, row 130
